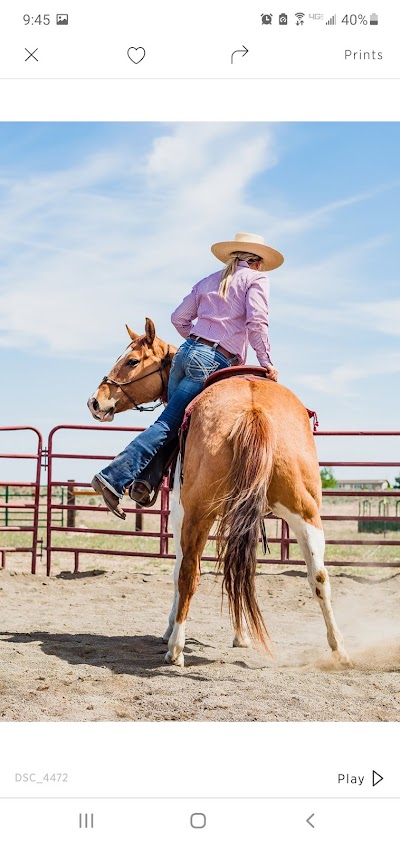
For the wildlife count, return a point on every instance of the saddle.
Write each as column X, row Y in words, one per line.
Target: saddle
column 252, row 373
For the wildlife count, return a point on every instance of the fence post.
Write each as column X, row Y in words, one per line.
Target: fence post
column 164, row 518
column 139, row 521
column 37, row 502
column 48, row 461
column 71, row 502
column 284, row 541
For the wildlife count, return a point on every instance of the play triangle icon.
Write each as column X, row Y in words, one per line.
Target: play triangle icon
column 376, row 778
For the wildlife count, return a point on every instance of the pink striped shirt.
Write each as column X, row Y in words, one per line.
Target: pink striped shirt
column 234, row 322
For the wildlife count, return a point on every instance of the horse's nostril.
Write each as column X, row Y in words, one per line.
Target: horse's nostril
column 95, row 404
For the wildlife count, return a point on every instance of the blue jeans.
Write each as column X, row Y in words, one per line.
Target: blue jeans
column 191, row 366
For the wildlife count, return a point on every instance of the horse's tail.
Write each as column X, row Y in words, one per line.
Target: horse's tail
column 252, row 438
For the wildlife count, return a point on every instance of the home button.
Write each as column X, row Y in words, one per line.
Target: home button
column 198, row 820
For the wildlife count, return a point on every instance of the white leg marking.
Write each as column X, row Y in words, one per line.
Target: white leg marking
column 243, row 640
column 176, row 644
column 176, row 522
column 312, row 543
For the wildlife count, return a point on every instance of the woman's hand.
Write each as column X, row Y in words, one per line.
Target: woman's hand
column 272, row 373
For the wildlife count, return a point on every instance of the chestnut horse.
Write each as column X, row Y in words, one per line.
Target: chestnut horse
column 249, row 450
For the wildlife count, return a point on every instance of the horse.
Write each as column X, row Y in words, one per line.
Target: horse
column 249, row 450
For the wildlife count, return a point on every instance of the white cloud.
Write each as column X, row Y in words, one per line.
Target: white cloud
column 316, row 217
column 340, row 380
column 83, row 256
column 383, row 316
column 338, row 272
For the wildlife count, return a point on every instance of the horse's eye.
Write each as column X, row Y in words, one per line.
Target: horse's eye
column 132, row 362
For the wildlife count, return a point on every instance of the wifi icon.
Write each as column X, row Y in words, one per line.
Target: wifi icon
column 300, row 16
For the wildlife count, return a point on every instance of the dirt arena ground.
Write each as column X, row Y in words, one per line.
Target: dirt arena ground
column 88, row 647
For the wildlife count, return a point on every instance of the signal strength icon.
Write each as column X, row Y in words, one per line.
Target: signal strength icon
column 331, row 21
column 299, row 16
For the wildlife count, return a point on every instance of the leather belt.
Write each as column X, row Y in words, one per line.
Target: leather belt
column 219, row 349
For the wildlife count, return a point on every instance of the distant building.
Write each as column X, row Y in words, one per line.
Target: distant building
column 362, row 484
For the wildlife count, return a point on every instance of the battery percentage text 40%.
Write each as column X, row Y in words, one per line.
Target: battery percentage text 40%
column 355, row 19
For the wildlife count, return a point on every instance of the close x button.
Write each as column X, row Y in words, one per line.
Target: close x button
column 31, row 54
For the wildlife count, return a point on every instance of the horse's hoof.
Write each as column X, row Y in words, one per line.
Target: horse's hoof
column 179, row 660
column 243, row 642
column 341, row 659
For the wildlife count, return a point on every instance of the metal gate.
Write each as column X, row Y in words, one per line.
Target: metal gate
column 162, row 512
column 16, row 514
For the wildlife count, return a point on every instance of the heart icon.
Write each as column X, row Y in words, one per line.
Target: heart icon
column 136, row 54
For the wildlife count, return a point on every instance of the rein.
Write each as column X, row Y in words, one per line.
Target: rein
column 166, row 361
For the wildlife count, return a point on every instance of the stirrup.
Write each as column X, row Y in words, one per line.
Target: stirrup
column 148, row 497
column 141, row 492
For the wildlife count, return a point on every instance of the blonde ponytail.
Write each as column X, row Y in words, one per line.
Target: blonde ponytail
column 230, row 269
column 227, row 275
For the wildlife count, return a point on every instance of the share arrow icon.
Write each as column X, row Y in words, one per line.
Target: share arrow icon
column 243, row 53
column 376, row 778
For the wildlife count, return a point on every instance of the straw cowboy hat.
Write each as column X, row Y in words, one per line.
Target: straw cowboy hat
column 245, row 242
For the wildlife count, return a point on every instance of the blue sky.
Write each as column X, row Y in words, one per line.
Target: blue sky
column 103, row 224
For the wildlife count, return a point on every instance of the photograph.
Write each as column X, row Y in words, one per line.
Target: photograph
column 200, row 433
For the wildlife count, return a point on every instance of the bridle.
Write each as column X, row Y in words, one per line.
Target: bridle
column 166, row 361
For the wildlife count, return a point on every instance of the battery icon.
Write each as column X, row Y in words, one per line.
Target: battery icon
column 373, row 20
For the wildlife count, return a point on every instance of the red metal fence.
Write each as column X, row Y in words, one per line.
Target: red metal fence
column 362, row 494
column 55, row 530
column 163, row 512
column 21, row 508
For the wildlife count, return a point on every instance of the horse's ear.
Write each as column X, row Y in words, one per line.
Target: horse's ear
column 132, row 334
column 150, row 331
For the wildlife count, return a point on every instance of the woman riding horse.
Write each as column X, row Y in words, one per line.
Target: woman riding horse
column 249, row 448
column 231, row 309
